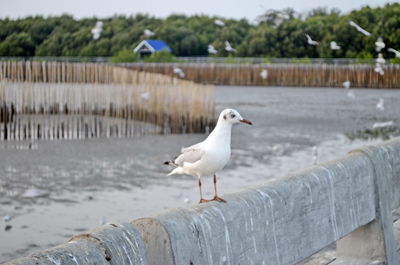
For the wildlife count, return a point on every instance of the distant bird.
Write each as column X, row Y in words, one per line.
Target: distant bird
column 334, row 45
column 378, row 69
column 7, row 218
column 179, row 72
column 211, row 155
column 228, row 47
column 212, row 50
column 311, row 41
column 379, row 44
column 219, row 22
column 360, row 29
column 145, row 95
column 380, row 59
column 264, row 74
column 381, row 104
column 397, row 53
column 379, row 62
column 346, row 84
column 382, row 124
column 148, row 33
column 96, row 31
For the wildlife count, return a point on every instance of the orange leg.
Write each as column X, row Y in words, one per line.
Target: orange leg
column 216, row 198
column 201, row 194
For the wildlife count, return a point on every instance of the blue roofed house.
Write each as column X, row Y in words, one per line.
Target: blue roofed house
column 147, row 47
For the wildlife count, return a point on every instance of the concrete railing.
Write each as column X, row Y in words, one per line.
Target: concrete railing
column 348, row 201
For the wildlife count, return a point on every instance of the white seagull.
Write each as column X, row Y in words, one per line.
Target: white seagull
column 212, row 50
column 395, row 52
column 380, row 105
column 346, row 84
column 334, row 45
column 264, row 74
column 148, row 33
column 311, row 41
column 360, row 29
column 219, row 22
column 179, row 72
column 211, row 155
column 228, row 47
column 379, row 44
column 96, row 31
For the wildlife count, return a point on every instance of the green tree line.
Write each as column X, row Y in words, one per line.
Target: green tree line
column 276, row 33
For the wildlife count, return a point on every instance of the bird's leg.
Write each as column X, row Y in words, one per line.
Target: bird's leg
column 201, row 194
column 216, row 198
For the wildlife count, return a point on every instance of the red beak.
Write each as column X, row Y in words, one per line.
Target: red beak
column 246, row 121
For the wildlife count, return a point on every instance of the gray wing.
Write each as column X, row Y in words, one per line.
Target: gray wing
column 190, row 154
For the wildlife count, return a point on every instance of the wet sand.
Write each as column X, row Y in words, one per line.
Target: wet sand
column 61, row 188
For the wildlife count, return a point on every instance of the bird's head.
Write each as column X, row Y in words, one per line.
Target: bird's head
column 231, row 116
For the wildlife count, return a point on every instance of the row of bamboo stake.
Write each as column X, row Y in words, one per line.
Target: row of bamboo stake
column 305, row 75
column 51, row 100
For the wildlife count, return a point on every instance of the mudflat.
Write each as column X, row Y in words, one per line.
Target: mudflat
column 55, row 189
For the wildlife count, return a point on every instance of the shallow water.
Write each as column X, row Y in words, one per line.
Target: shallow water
column 55, row 189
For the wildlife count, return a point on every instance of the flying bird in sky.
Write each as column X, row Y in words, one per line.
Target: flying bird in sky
column 219, row 22
column 148, row 33
column 397, row 53
column 179, row 72
column 334, row 45
column 96, row 31
column 360, row 29
column 212, row 50
column 228, row 47
column 379, row 44
column 311, row 41
column 211, row 155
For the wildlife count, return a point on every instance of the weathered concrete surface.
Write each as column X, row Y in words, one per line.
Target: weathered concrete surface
column 108, row 244
column 285, row 221
column 278, row 223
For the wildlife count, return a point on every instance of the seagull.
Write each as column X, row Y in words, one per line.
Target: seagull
column 219, row 22
column 382, row 124
column 380, row 59
column 264, row 74
column 346, row 84
column 145, row 95
column 360, row 29
column 211, row 155
column 395, row 52
column 381, row 104
column 379, row 44
column 228, row 47
column 211, row 49
column 179, row 72
column 96, row 31
column 378, row 69
column 310, row 41
column 334, row 45
column 148, row 33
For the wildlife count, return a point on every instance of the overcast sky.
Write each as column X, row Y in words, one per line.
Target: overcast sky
column 249, row 9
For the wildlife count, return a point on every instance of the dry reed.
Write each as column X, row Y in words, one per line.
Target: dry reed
column 51, row 100
column 305, row 75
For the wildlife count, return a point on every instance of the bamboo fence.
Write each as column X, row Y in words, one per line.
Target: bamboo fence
column 52, row 100
column 304, row 75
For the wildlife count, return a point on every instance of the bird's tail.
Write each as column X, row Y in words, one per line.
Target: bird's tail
column 176, row 171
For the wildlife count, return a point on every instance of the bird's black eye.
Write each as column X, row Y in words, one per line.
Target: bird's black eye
column 233, row 116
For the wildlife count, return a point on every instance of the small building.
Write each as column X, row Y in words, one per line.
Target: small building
column 147, row 47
